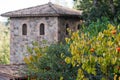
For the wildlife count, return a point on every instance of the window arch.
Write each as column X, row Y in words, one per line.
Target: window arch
column 67, row 26
column 24, row 29
column 78, row 26
column 42, row 29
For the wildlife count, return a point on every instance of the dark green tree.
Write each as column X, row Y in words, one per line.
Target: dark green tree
column 94, row 9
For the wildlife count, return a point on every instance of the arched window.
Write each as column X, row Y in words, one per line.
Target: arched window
column 78, row 27
column 42, row 29
column 67, row 26
column 24, row 29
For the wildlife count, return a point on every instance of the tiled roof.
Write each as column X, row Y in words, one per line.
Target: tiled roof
column 12, row 71
column 48, row 9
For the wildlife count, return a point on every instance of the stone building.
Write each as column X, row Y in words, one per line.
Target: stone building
column 45, row 22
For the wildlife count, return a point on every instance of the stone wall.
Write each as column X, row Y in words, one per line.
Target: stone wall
column 19, row 42
column 62, row 21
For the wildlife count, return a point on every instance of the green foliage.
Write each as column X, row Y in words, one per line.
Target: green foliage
column 98, row 57
column 95, row 27
column 94, row 9
column 4, row 44
column 90, row 54
column 51, row 64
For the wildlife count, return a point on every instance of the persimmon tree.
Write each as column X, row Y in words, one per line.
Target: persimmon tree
column 99, row 55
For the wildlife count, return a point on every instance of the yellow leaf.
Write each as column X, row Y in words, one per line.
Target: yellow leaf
column 67, row 60
column 31, row 58
column 26, row 60
column 39, row 55
column 61, row 78
column 67, row 40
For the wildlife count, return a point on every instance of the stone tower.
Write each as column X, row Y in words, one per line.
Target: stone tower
column 45, row 22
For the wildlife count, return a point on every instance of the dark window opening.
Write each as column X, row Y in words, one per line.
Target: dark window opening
column 78, row 27
column 20, row 79
column 24, row 29
column 67, row 26
column 42, row 29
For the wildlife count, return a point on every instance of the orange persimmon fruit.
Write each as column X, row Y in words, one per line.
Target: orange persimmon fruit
column 118, row 49
column 113, row 31
column 92, row 50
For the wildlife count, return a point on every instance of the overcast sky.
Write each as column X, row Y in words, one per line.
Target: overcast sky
column 10, row 5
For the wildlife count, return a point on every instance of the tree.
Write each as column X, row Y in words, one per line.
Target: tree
column 4, row 44
column 93, row 9
column 97, row 57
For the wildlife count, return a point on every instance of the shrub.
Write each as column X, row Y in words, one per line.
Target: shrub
column 94, row 27
column 48, row 63
column 97, row 57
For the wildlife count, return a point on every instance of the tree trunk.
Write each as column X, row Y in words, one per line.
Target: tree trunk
column 112, row 7
column 95, row 2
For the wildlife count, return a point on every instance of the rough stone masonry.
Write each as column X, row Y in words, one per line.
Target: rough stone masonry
column 56, row 20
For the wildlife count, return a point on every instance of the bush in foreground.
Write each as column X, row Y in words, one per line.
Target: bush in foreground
column 98, row 57
column 87, row 57
column 48, row 63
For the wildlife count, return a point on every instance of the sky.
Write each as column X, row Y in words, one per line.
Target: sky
column 11, row 5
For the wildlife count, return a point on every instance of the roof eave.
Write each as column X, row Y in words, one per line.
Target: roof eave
column 40, row 15
column 28, row 15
